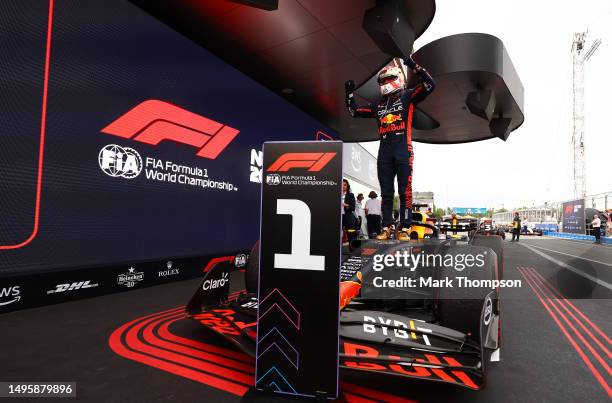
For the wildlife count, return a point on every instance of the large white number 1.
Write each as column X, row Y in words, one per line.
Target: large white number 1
column 300, row 257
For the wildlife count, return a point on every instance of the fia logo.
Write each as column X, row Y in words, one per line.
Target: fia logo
column 273, row 179
column 240, row 260
column 117, row 161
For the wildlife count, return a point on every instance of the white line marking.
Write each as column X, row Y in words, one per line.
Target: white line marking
column 495, row 356
column 569, row 254
column 568, row 267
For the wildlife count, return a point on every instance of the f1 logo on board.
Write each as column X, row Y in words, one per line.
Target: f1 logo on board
column 572, row 208
column 313, row 161
column 77, row 285
column 8, row 295
column 117, row 161
column 154, row 121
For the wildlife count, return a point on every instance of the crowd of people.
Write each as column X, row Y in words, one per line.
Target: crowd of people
column 360, row 218
column 365, row 219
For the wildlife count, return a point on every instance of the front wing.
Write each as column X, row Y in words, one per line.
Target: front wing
column 370, row 341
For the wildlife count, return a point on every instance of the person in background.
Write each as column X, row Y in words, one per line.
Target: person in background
column 373, row 212
column 454, row 222
column 359, row 211
column 348, row 209
column 596, row 223
column 525, row 225
column 516, row 228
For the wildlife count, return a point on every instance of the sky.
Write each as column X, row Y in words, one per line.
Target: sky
column 536, row 163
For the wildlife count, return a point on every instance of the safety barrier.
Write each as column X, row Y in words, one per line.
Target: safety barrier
column 577, row 237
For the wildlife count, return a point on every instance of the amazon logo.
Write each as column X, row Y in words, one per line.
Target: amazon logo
column 8, row 295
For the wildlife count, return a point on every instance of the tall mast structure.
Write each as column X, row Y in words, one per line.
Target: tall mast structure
column 580, row 57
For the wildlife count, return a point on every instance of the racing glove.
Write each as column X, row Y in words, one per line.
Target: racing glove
column 366, row 111
column 410, row 63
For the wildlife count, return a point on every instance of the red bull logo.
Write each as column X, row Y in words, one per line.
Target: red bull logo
column 392, row 128
column 390, row 118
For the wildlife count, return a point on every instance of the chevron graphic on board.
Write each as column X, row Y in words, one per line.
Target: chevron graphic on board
column 277, row 300
column 274, row 377
column 274, row 338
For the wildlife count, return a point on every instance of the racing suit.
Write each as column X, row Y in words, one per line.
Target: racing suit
column 395, row 155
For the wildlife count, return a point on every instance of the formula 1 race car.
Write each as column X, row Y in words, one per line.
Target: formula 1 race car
column 487, row 227
column 526, row 230
column 442, row 334
column 461, row 228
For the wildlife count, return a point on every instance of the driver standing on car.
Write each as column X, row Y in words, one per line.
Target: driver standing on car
column 393, row 115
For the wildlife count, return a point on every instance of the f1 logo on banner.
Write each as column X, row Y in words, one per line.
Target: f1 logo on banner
column 154, row 121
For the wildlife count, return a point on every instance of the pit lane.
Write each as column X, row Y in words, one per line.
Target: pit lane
column 542, row 358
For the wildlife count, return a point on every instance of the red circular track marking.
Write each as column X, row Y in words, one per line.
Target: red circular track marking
column 150, row 341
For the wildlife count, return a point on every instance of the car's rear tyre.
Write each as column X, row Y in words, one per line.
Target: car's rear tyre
column 456, row 309
column 251, row 275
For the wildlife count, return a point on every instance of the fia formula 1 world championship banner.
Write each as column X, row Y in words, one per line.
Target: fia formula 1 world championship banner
column 299, row 276
column 122, row 141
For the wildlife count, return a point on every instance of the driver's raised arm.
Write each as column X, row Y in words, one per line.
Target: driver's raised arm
column 366, row 111
column 427, row 84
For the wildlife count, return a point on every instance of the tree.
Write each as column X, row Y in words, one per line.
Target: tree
column 439, row 212
column 501, row 210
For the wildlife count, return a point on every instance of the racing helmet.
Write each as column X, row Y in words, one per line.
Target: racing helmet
column 390, row 80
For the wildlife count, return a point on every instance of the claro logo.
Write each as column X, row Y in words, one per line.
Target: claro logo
column 154, row 121
column 214, row 284
column 314, row 162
